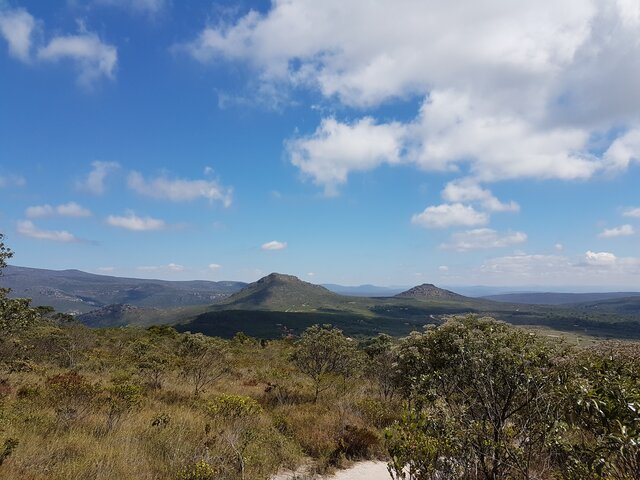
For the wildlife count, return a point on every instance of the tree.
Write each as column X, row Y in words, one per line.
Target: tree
column 601, row 434
column 202, row 360
column 16, row 316
column 492, row 385
column 323, row 353
column 381, row 364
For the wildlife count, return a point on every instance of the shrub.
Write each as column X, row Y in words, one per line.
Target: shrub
column 198, row 471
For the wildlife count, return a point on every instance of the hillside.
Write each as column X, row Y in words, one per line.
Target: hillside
column 428, row 291
column 281, row 292
column 555, row 298
column 629, row 305
column 73, row 291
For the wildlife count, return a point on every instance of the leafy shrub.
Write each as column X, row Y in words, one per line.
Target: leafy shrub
column 199, row 471
column 358, row 442
column 233, row 406
column 378, row 413
column 72, row 396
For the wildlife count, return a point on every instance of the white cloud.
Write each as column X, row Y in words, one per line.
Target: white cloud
column 95, row 180
column 180, row 190
column 12, row 181
column 28, row 229
column 16, row 26
column 632, row 212
column 467, row 190
column 132, row 222
column 93, row 58
column 214, row 267
column 509, row 90
column 443, row 268
column 335, row 149
column 559, row 247
column 592, row 268
column 274, row 245
column 70, row 209
column 148, row 7
column 621, row 231
column 171, row 267
column 483, row 238
column 624, row 150
column 106, row 269
column 600, row 258
column 449, row 215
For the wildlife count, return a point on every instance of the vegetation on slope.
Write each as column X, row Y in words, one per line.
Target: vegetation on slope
column 471, row 399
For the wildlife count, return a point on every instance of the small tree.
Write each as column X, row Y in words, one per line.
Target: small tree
column 601, row 437
column 201, row 359
column 494, row 387
column 323, row 353
column 381, row 364
column 16, row 318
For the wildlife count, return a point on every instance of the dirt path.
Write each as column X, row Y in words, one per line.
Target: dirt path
column 360, row 471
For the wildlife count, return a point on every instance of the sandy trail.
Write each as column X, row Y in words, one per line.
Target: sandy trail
column 363, row 471
column 360, row 471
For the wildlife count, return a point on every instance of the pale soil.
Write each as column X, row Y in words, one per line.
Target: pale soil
column 360, row 471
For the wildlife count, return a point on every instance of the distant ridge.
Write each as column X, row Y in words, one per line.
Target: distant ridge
column 555, row 298
column 428, row 291
column 76, row 292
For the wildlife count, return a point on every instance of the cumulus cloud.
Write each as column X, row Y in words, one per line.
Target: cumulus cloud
column 96, row 179
column 335, row 149
column 483, row 238
column 70, row 209
column 621, row 231
column 132, row 222
column 93, row 58
column 180, row 189
column 274, row 245
column 28, row 229
column 508, row 90
column 600, row 258
column 17, row 26
column 214, row 267
column 467, row 190
column 449, row 215
column 632, row 212
column 624, row 150
column 599, row 268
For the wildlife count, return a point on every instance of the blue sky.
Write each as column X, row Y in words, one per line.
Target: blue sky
column 393, row 143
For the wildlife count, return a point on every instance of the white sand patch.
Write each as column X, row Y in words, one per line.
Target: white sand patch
column 360, row 471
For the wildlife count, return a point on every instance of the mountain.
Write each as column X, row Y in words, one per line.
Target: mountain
column 364, row 290
column 281, row 292
column 554, row 298
column 73, row 291
column 428, row 291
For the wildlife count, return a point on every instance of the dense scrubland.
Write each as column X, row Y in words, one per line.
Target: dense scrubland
column 472, row 398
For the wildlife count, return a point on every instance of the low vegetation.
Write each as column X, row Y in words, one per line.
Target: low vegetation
column 473, row 398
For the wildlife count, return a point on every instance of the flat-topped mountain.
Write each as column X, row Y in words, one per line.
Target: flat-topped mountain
column 278, row 291
column 428, row 291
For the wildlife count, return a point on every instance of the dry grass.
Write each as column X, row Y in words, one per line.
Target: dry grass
column 167, row 431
